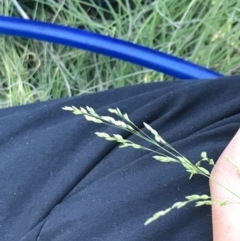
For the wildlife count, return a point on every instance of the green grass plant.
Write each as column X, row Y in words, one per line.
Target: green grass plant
column 204, row 32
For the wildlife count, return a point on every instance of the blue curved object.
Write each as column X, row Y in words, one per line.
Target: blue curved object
column 105, row 45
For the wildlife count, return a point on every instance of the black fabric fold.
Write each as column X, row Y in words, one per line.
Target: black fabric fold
column 59, row 181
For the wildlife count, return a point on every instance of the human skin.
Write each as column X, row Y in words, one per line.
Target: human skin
column 226, row 219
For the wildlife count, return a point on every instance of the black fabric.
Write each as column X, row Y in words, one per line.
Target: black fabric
column 60, row 182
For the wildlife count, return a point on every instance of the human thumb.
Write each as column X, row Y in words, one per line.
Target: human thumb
column 225, row 185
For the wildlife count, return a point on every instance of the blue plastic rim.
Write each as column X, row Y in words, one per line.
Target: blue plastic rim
column 105, row 45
